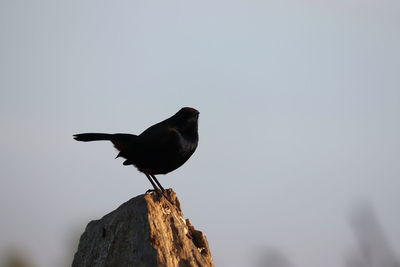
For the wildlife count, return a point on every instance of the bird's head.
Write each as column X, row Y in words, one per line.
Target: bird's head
column 188, row 113
column 187, row 119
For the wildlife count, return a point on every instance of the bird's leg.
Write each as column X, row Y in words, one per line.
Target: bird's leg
column 163, row 192
column 158, row 183
column 152, row 183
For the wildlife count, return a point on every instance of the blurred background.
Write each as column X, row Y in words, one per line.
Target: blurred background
column 298, row 160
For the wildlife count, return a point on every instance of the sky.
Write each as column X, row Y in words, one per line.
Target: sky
column 299, row 120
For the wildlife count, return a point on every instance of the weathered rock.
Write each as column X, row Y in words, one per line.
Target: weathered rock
column 148, row 230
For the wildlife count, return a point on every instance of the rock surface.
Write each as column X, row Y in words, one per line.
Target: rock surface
column 148, row 230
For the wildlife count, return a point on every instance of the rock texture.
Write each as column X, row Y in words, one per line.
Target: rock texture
column 148, row 230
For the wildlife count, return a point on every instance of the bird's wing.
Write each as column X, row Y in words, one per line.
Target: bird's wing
column 160, row 137
column 153, row 144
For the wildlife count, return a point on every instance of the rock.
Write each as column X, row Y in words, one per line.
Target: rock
column 148, row 230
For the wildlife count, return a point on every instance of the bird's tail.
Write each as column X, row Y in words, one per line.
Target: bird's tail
column 87, row 137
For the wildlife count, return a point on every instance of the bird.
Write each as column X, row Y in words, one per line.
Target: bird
column 160, row 149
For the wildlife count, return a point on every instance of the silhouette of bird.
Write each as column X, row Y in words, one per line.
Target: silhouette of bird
column 160, row 149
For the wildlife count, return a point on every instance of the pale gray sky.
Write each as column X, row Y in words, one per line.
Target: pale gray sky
column 300, row 119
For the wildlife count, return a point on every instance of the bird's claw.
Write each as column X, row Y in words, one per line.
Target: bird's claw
column 154, row 190
column 149, row 191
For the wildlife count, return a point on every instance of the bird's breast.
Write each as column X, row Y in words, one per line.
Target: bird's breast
column 187, row 145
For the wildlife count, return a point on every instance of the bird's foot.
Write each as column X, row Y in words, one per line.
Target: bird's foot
column 160, row 193
column 150, row 191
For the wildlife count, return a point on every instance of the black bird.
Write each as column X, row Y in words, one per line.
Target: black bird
column 160, row 149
